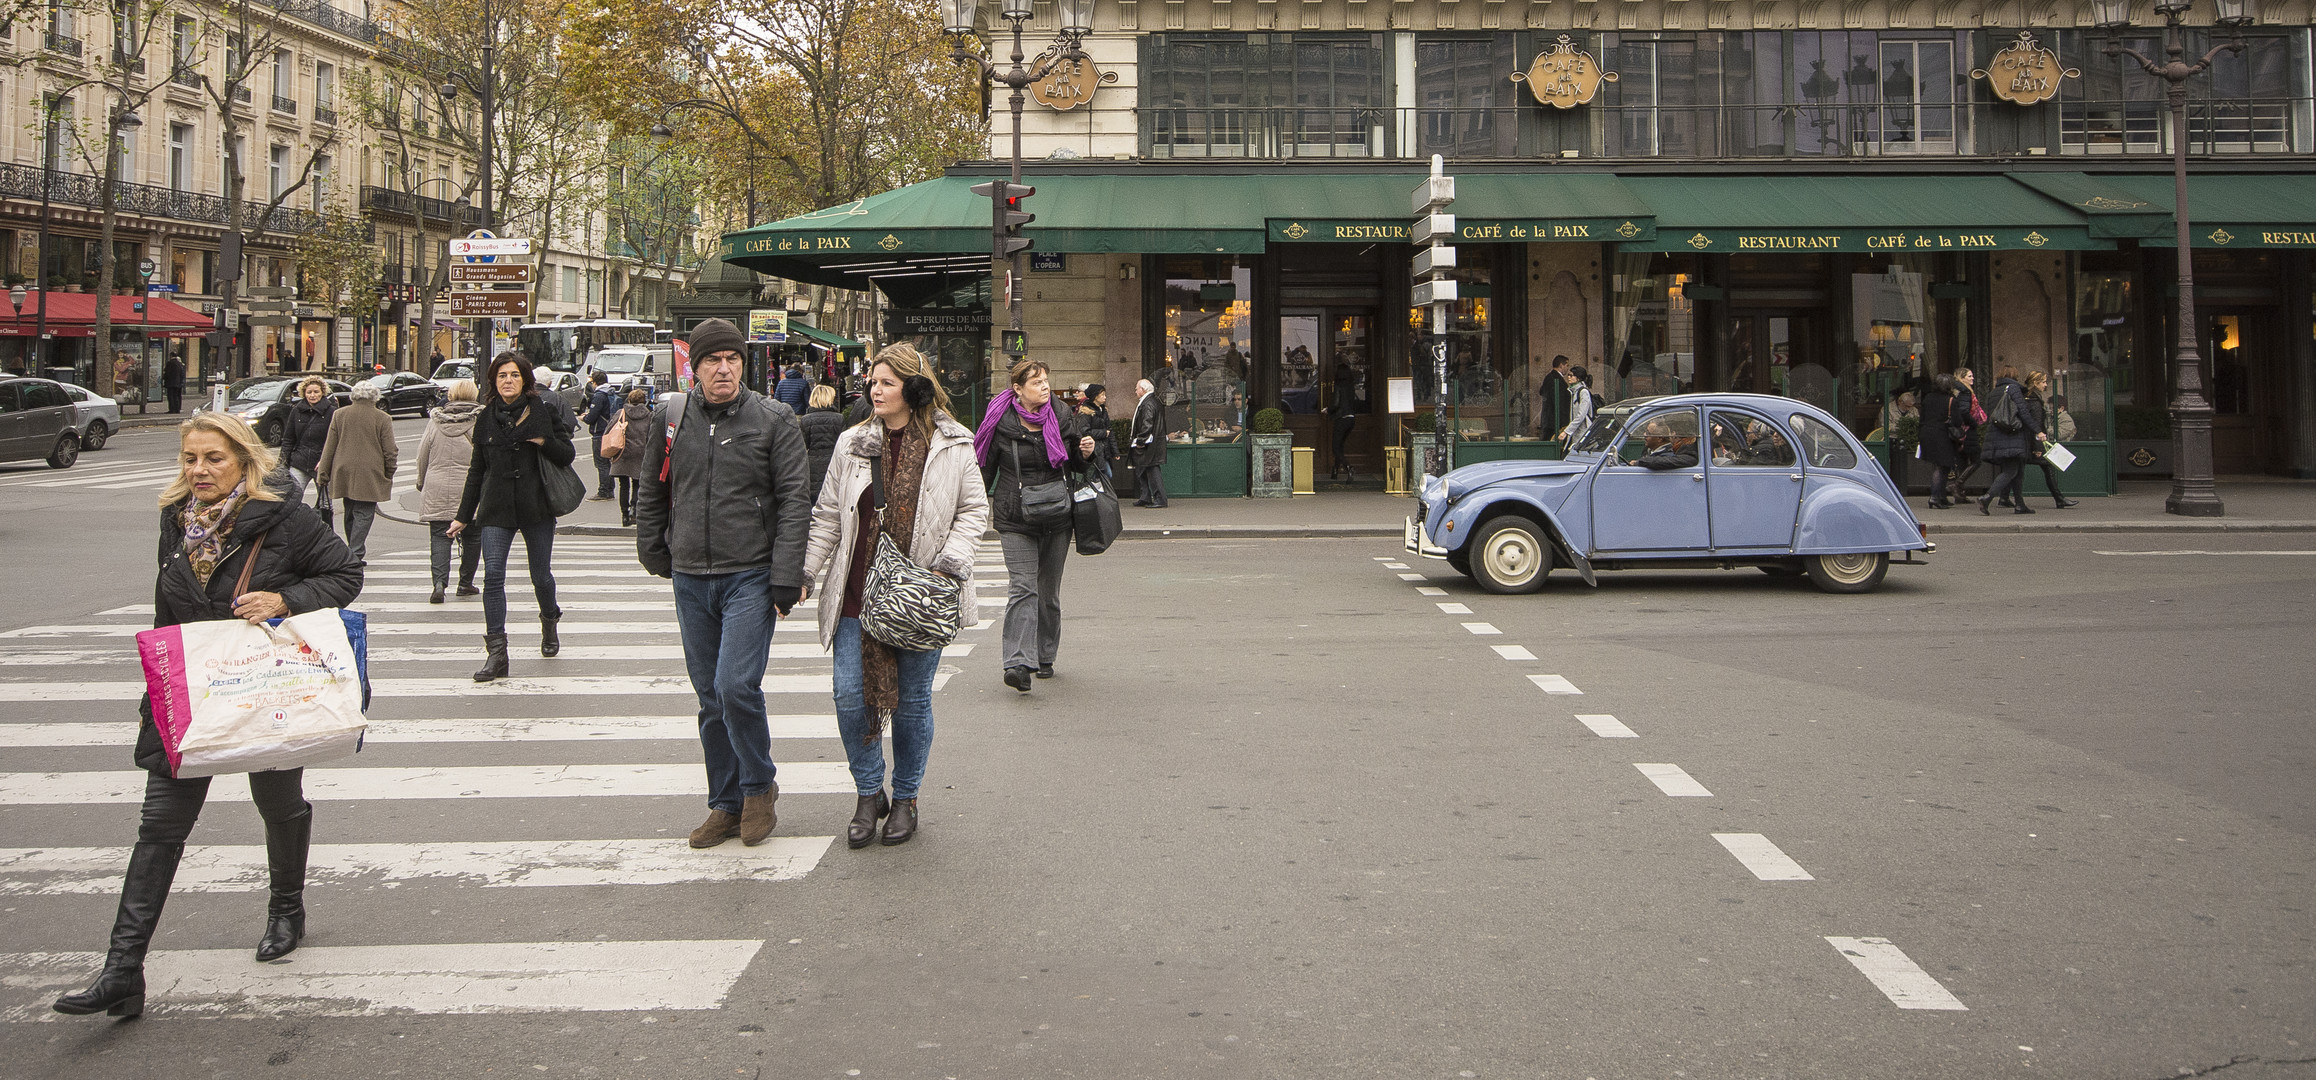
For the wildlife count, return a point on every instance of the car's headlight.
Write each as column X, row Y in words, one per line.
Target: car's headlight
column 1434, row 487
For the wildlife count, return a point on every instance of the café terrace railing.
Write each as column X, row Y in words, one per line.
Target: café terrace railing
column 2257, row 126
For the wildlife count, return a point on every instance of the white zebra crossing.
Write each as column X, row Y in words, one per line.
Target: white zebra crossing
column 96, row 871
column 334, row 784
column 590, row 686
column 451, row 730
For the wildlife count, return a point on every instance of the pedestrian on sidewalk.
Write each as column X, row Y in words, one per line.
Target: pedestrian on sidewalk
column 2014, row 435
column 1970, row 415
column 822, row 422
column 603, row 406
column 629, row 464
column 794, row 390
column 1094, row 420
column 358, row 460
column 304, row 428
column 1148, row 443
column 1025, row 442
column 212, row 518
column 173, row 381
column 1580, row 403
column 2038, row 383
column 517, row 436
column 934, row 511
column 722, row 510
column 444, row 454
column 1945, row 420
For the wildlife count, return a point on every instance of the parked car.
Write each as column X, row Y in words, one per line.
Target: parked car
column 452, row 370
column 625, row 367
column 38, row 420
column 563, row 386
column 408, row 392
column 259, row 400
column 99, row 416
column 1771, row 482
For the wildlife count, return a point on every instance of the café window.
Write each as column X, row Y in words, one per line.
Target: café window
column 1652, row 328
column 1462, row 97
column 1491, row 393
column 2257, row 101
column 1200, row 369
column 1263, row 95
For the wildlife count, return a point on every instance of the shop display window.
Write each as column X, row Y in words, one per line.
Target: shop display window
column 1893, row 335
column 1490, row 396
column 1201, row 374
column 2103, row 338
column 1652, row 328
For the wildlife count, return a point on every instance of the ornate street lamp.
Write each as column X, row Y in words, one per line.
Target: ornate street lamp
column 2192, row 491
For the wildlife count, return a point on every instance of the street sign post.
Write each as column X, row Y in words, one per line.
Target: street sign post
column 490, row 274
column 1434, row 227
column 490, row 305
column 470, row 246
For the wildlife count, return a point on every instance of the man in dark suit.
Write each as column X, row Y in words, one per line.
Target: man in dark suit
column 173, row 381
column 1148, row 446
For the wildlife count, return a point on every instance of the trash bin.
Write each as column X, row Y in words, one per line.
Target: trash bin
column 60, row 374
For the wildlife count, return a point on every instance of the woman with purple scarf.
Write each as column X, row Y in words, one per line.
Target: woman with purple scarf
column 1024, row 440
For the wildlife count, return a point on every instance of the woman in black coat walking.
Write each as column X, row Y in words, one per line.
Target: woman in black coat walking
column 1025, row 441
column 822, row 423
column 518, row 436
column 2013, row 435
column 1094, row 420
column 213, row 518
column 1938, row 436
column 303, row 432
column 2038, row 383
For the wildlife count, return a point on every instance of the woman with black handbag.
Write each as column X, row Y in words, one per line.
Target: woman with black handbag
column 231, row 548
column 893, row 534
column 1027, row 449
column 521, row 443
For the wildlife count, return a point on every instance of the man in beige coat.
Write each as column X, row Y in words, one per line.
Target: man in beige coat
column 358, row 461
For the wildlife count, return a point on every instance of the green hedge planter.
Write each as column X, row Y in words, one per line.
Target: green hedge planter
column 1206, row 471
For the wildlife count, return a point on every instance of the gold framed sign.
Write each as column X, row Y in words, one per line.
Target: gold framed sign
column 2026, row 73
column 1563, row 76
column 1069, row 83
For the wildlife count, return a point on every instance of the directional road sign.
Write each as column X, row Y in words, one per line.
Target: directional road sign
column 490, row 305
column 497, row 245
column 494, row 273
column 273, row 320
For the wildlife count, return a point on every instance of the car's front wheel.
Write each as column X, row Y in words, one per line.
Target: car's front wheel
column 94, row 438
column 1853, row 572
column 1509, row 554
column 67, row 451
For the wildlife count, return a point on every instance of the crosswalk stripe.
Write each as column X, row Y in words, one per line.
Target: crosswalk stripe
column 60, row 871
column 1672, row 780
column 779, row 650
column 387, row 689
column 1606, row 726
column 1897, row 977
column 467, row 782
column 683, row 728
column 422, row 629
column 389, row 980
column 1767, row 861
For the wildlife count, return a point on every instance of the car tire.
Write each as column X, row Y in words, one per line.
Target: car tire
column 67, row 451
column 94, row 438
column 1460, row 561
column 1856, row 572
column 1510, row 554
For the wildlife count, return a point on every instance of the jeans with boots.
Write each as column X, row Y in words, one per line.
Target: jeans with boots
column 494, row 658
column 120, row 988
column 286, row 843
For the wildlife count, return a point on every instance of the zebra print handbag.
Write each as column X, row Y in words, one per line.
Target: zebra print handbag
column 902, row 604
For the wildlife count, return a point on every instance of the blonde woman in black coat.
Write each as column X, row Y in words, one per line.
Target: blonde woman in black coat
column 212, row 519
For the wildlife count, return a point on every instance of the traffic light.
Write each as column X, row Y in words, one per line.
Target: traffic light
column 1006, row 216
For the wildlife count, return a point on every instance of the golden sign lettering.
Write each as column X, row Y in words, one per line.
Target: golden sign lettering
column 1792, row 243
column 1370, row 232
column 2288, row 239
column 1069, row 82
column 1563, row 77
column 2026, row 73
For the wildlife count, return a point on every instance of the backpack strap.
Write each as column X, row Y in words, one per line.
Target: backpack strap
column 676, row 404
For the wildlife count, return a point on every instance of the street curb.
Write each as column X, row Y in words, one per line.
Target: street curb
column 2130, row 526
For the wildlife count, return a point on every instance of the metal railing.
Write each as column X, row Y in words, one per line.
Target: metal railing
column 74, row 189
column 241, row 94
column 59, row 43
column 2261, row 126
column 187, row 78
column 389, row 201
column 320, row 13
column 325, row 115
column 287, row 105
column 134, row 64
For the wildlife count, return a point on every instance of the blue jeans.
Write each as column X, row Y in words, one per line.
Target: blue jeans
column 912, row 726
column 538, row 550
column 726, row 621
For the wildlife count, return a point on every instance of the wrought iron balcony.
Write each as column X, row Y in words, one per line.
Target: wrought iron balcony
column 320, row 13
column 407, row 206
column 241, row 94
column 58, row 43
column 135, row 64
column 188, row 78
column 325, row 115
column 287, row 105
column 74, row 189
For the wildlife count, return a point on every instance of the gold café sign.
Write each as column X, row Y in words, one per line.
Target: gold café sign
column 1564, row 77
column 2026, row 73
column 1069, row 82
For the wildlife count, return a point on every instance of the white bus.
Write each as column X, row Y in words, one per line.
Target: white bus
column 565, row 346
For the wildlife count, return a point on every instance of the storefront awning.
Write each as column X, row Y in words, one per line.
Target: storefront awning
column 817, row 336
column 940, row 224
column 74, row 315
column 2232, row 210
column 1865, row 214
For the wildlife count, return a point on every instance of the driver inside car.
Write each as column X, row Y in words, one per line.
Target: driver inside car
column 1667, row 446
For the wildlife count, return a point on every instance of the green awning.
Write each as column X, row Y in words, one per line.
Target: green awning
column 813, row 333
column 2235, row 210
column 1866, row 214
column 2110, row 208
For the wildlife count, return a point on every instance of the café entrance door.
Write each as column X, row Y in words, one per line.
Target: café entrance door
column 1327, row 369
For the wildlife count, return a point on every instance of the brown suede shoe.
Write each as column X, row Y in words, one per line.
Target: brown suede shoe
column 757, row 817
column 721, row 825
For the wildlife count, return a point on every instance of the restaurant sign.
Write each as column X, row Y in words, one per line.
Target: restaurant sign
column 1563, row 76
column 2026, row 73
column 1804, row 241
column 2241, row 236
column 1468, row 230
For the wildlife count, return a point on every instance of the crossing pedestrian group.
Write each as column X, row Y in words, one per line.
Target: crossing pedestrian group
column 875, row 513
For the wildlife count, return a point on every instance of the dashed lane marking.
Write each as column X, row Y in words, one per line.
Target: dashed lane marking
column 1395, row 566
column 1449, row 609
column 1413, row 577
column 2177, row 553
column 1670, row 779
column 1554, row 684
column 1762, row 857
column 1513, row 652
column 1431, row 590
column 1482, row 629
column 1898, row 978
column 1606, row 726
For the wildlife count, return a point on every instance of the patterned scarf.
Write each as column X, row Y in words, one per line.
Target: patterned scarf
column 904, row 458
column 206, row 528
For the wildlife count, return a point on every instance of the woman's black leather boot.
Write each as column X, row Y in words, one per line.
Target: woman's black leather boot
column 120, row 988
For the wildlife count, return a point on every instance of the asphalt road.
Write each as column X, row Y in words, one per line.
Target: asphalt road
column 1283, row 816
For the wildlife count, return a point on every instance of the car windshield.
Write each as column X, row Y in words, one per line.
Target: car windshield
column 263, row 388
column 454, row 370
column 382, row 382
column 1606, row 426
column 618, row 363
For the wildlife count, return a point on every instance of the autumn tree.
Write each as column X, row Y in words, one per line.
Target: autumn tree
column 338, row 264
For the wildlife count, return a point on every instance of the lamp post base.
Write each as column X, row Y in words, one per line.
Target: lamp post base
column 2194, row 500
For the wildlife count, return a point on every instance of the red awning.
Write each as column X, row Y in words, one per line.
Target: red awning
column 74, row 315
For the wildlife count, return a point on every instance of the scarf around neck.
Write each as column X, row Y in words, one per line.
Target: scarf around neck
column 206, row 528
column 903, row 455
column 985, row 437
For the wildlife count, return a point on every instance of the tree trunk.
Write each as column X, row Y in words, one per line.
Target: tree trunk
column 101, row 335
column 425, row 283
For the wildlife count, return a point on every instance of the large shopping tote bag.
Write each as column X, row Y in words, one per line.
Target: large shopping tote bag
column 230, row 697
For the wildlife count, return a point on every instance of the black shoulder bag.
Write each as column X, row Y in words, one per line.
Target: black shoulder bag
column 1043, row 506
